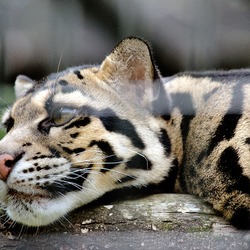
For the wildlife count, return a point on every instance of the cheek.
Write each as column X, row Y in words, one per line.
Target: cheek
column 57, row 132
column 59, row 136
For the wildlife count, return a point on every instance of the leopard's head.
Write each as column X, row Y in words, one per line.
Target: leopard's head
column 83, row 132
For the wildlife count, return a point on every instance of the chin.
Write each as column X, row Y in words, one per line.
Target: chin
column 37, row 211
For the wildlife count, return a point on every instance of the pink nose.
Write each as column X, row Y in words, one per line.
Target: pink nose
column 5, row 166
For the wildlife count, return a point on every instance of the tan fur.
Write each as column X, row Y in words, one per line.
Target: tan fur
column 209, row 114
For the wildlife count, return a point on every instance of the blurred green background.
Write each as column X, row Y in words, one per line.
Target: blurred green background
column 38, row 37
column 6, row 98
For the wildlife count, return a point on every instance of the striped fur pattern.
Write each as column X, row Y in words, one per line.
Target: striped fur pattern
column 88, row 130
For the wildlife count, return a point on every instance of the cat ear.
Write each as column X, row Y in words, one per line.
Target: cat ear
column 131, row 70
column 23, row 85
column 131, row 60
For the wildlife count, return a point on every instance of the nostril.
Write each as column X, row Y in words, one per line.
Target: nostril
column 6, row 164
column 9, row 163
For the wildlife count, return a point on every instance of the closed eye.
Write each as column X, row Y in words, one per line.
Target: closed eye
column 62, row 115
column 58, row 116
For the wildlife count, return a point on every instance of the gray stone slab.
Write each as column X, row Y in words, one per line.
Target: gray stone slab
column 163, row 221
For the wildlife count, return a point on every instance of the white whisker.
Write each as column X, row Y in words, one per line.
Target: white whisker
column 100, row 163
column 95, row 171
column 79, row 175
column 61, row 222
column 77, row 186
column 7, row 219
column 65, row 218
column 20, row 233
column 13, row 223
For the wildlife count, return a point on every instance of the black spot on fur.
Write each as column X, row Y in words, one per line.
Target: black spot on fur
column 225, row 131
column 54, row 152
column 115, row 124
column 125, row 179
column 78, row 73
column 201, row 156
column 185, row 122
column 229, row 162
column 184, row 102
column 170, row 179
column 247, row 141
column 241, row 218
column 75, row 135
column 63, row 83
column 79, row 123
column 46, row 167
column 230, row 167
column 111, row 160
column 166, row 117
column 41, row 157
column 227, row 127
column 164, row 139
column 27, row 144
column 47, row 176
column 139, row 162
column 73, row 151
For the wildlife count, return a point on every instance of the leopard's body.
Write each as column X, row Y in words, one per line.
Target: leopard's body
column 86, row 131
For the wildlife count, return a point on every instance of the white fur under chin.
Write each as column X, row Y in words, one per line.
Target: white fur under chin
column 42, row 211
column 45, row 211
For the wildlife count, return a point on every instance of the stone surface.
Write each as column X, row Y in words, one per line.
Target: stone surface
column 162, row 221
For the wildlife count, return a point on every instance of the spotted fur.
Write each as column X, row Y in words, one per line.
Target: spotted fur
column 88, row 130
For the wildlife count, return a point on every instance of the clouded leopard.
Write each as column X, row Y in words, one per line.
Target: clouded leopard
column 88, row 130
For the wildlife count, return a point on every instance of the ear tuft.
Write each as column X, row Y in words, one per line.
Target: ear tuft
column 23, row 85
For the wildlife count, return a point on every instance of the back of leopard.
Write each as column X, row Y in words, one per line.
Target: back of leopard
column 215, row 129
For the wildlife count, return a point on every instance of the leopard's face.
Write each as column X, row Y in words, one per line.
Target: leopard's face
column 74, row 137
